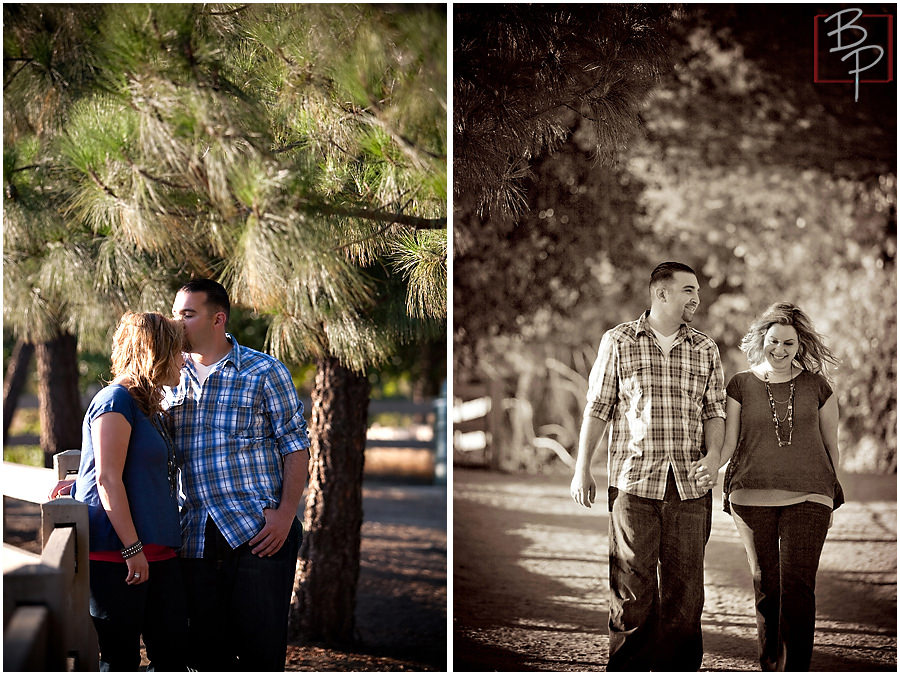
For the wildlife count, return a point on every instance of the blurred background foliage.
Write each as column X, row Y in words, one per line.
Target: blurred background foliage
column 771, row 187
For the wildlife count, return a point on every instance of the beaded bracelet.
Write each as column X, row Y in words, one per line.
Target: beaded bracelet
column 133, row 550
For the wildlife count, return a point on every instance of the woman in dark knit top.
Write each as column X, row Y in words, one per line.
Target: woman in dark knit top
column 781, row 440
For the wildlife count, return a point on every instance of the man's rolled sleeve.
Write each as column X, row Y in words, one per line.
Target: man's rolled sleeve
column 285, row 410
column 714, row 400
column 603, row 381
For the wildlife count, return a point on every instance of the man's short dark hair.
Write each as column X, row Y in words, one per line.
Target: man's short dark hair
column 665, row 271
column 216, row 295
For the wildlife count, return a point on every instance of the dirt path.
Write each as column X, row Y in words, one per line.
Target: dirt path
column 530, row 580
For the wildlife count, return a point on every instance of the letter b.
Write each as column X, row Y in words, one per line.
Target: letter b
column 841, row 27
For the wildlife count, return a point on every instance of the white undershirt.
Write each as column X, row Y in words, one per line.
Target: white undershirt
column 204, row 371
column 665, row 343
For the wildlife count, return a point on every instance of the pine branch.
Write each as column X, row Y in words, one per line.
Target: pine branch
column 149, row 176
column 289, row 147
column 375, row 234
column 413, row 152
column 414, row 222
column 103, row 185
column 35, row 166
column 19, row 70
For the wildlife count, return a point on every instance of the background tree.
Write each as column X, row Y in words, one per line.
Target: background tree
column 772, row 187
column 43, row 77
column 294, row 152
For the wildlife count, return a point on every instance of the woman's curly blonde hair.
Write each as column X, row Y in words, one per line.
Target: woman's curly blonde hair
column 145, row 350
column 812, row 353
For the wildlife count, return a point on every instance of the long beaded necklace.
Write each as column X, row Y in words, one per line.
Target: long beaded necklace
column 788, row 414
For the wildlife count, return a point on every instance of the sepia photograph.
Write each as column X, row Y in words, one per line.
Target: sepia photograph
column 674, row 337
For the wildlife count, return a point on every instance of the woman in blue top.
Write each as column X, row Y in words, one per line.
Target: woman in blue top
column 127, row 478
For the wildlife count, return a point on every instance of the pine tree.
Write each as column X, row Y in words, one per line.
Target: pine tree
column 295, row 152
column 531, row 81
column 47, row 258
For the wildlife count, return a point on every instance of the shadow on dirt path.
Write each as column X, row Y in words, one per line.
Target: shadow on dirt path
column 401, row 600
column 530, row 580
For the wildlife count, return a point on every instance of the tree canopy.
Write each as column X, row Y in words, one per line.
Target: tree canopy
column 522, row 73
column 295, row 152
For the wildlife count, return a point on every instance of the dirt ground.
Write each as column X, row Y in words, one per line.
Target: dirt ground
column 401, row 600
column 401, row 610
column 530, row 580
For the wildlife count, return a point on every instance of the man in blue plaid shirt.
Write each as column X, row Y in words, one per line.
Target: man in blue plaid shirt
column 243, row 451
column 658, row 385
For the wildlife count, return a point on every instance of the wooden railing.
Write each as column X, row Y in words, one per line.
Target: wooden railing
column 476, row 424
column 46, row 598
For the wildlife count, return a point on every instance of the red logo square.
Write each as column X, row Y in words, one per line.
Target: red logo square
column 849, row 43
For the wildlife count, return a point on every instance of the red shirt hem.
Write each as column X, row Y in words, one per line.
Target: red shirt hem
column 154, row 553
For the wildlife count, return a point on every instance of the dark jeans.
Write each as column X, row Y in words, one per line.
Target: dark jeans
column 783, row 545
column 238, row 604
column 656, row 578
column 122, row 613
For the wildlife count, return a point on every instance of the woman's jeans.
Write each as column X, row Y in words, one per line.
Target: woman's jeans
column 122, row 613
column 783, row 545
column 238, row 604
column 656, row 578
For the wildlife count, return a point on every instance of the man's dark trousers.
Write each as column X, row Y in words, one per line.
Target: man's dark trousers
column 656, row 580
column 238, row 604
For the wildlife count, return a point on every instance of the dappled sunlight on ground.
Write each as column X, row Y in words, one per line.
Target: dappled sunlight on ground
column 530, row 580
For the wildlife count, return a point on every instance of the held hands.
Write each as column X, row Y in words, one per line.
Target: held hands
column 138, row 570
column 704, row 472
column 271, row 538
column 583, row 488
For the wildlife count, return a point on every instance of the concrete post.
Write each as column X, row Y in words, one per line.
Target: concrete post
column 66, row 463
column 58, row 514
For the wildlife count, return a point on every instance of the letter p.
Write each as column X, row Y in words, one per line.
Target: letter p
column 856, row 71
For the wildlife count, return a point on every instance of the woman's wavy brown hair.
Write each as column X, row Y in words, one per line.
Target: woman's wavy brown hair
column 145, row 349
column 812, row 354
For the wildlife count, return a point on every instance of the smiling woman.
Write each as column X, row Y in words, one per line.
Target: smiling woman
column 781, row 347
column 781, row 486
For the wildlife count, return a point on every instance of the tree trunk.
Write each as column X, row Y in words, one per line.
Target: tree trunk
column 60, row 401
column 16, row 375
column 325, row 588
column 429, row 370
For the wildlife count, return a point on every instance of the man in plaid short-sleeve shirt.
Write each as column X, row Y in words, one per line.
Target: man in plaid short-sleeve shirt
column 658, row 386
